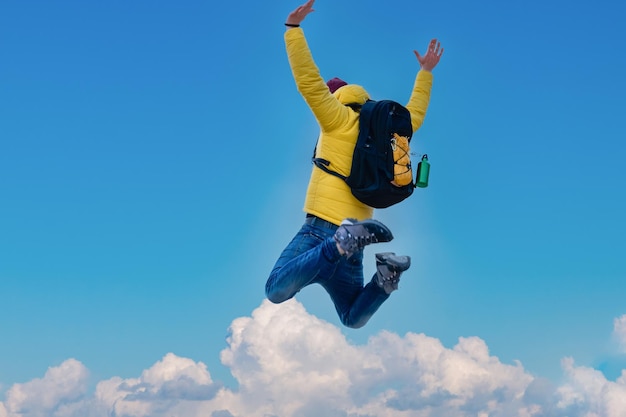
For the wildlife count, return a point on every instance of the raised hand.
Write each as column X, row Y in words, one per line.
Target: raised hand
column 298, row 15
column 429, row 61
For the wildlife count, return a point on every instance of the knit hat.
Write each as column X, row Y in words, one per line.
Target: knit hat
column 335, row 83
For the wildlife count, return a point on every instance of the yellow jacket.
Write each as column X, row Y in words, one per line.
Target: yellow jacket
column 329, row 197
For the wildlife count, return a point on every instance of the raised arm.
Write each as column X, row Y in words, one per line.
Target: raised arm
column 328, row 111
column 420, row 96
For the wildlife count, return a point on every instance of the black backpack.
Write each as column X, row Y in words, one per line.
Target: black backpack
column 383, row 125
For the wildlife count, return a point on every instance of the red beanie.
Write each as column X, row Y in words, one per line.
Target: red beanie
column 335, row 83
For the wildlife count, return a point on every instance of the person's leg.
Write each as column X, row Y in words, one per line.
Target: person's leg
column 355, row 304
column 311, row 256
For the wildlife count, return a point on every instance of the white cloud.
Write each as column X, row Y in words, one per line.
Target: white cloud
column 588, row 393
column 40, row 397
column 619, row 331
column 172, row 384
column 289, row 363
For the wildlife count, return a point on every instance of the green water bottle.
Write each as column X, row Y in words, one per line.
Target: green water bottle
column 423, row 169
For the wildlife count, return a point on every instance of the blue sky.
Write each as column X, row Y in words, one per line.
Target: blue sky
column 154, row 158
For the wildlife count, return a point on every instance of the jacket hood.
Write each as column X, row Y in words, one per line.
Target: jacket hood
column 351, row 93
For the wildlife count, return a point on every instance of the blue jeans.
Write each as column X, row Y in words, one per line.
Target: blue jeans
column 312, row 257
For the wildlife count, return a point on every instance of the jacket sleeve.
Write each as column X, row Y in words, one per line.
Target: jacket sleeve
column 420, row 97
column 328, row 111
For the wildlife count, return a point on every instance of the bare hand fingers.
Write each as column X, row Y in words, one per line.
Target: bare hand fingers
column 308, row 6
column 435, row 47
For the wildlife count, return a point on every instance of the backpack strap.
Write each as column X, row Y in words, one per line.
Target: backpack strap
column 355, row 106
column 322, row 163
column 364, row 120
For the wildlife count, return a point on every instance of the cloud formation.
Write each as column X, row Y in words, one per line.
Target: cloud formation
column 588, row 393
column 289, row 363
column 41, row 397
column 619, row 331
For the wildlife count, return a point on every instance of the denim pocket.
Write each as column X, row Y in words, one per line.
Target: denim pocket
column 317, row 233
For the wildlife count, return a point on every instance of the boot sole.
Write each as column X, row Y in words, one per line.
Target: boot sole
column 401, row 263
column 382, row 232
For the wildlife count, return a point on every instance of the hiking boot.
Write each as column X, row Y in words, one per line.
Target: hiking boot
column 353, row 235
column 389, row 267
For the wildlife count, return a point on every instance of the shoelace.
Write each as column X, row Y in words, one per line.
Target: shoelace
column 362, row 241
column 392, row 278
